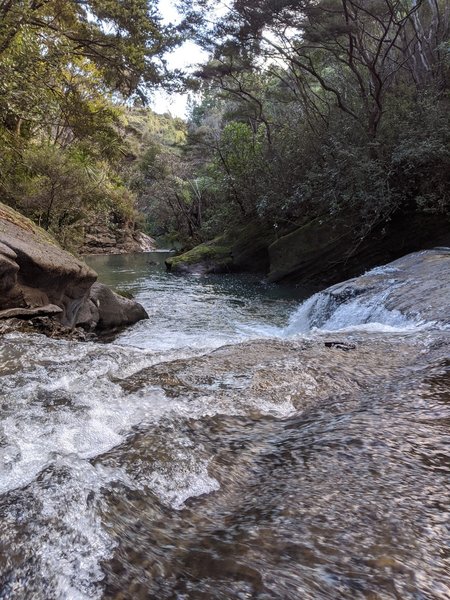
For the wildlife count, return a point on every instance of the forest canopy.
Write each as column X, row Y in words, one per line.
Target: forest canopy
column 332, row 107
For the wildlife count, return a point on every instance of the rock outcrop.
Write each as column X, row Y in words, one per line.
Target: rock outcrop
column 412, row 290
column 244, row 249
column 317, row 253
column 212, row 257
column 39, row 279
column 105, row 237
column 107, row 311
column 323, row 252
column 417, row 286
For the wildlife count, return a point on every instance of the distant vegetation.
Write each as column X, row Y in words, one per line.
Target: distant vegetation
column 329, row 109
column 65, row 69
column 336, row 109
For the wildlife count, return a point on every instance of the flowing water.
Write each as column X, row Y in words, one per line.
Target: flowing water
column 238, row 444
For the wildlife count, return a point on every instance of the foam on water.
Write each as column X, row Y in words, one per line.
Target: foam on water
column 62, row 410
column 62, row 407
column 323, row 312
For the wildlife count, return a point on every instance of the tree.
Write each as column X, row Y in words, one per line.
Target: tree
column 123, row 40
column 341, row 89
column 336, row 53
column 65, row 68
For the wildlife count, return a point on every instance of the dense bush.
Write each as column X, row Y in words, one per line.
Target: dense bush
column 324, row 109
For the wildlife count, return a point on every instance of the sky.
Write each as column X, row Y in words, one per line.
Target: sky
column 186, row 56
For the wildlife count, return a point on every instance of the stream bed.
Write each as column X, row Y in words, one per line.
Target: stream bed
column 233, row 446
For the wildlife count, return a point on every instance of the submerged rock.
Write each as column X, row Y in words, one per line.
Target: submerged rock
column 40, row 279
column 45, row 325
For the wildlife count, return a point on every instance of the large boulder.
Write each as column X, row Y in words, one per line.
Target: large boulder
column 211, row 257
column 107, row 311
column 242, row 249
column 35, row 271
column 40, row 279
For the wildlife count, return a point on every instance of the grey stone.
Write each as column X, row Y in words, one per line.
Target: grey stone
column 40, row 279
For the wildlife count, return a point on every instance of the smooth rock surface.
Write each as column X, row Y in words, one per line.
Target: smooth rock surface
column 35, row 271
column 415, row 287
column 40, row 279
column 324, row 251
column 107, row 311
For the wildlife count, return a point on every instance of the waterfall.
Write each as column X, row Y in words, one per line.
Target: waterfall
column 326, row 311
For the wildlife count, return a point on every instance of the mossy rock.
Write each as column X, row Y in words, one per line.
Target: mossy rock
column 243, row 248
column 211, row 257
column 325, row 251
column 124, row 293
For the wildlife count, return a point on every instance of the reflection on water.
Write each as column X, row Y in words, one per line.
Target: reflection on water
column 273, row 468
column 195, row 312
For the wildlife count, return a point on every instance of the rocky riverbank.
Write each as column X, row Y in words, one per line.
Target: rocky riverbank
column 44, row 287
column 317, row 253
column 212, row 452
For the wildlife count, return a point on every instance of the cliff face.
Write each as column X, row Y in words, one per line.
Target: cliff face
column 36, row 272
column 105, row 237
column 40, row 279
column 316, row 254
column 323, row 252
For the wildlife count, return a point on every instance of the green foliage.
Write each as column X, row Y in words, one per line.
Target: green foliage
column 65, row 68
column 323, row 108
column 166, row 176
column 119, row 40
column 307, row 109
column 60, row 189
column 238, row 165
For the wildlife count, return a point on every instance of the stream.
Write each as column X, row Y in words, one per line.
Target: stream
column 245, row 442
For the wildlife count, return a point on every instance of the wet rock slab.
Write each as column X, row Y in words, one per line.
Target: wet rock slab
column 326, row 461
column 417, row 285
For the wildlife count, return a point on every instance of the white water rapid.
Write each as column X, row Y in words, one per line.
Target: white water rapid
column 113, row 470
